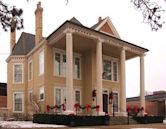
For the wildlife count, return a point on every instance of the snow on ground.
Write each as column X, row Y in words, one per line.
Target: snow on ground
column 25, row 124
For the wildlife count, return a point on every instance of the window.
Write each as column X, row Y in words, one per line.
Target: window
column 30, row 70
column 18, row 102
column 30, row 96
column 115, row 101
column 18, row 73
column 41, row 62
column 78, row 96
column 41, row 95
column 60, row 96
column 57, row 64
column 76, row 68
column 64, row 66
column 107, row 70
column 115, row 72
column 110, row 69
column 60, row 65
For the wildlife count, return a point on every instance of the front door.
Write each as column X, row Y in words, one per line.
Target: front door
column 105, row 103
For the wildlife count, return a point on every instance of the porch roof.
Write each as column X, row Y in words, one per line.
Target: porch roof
column 95, row 31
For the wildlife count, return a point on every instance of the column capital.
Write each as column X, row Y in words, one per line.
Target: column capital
column 68, row 31
column 100, row 40
column 142, row 55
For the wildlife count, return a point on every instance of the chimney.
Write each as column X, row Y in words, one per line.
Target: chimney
column 39, row 29
column 99, row 19
column 12, row 34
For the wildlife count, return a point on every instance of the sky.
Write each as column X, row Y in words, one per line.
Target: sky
column 127, row 21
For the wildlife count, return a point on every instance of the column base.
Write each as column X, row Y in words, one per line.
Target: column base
column 101, row 113
column 68, row 112
column 123, row 113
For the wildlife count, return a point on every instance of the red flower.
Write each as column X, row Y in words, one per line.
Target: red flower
column 76, row 106
column 48, row 108
column 88, row 107
column 128, row 108
column 63, row 107
column 97, row 108
column 135, row 108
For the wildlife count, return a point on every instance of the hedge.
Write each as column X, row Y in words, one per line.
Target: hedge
column 149, row 119
column 71, row 120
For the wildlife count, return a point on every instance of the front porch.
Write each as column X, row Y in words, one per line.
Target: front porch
column 94, row 52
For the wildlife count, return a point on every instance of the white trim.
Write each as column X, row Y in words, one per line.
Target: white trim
column 22, row 81
column 63, row 52
column 78, row 89
column 22, row 93
column 112, row 59
column 107, row 93
column 107, row 20
column 115, row 91
column 31, row 70
column 62, row 89
column 41, row 51
column 43, row 93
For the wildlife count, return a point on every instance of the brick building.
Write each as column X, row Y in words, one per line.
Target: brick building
column 155, row 103
column 3, row 95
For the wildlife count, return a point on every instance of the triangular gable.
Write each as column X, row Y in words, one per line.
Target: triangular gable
column 107, row 27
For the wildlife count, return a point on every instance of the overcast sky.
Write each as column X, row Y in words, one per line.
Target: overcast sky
column 126, row 20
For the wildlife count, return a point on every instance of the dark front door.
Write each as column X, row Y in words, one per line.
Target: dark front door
column 105, row 103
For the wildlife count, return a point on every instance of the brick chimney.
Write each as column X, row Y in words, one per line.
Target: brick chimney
column 39, row 23
column 12, row 34
column 99, row 19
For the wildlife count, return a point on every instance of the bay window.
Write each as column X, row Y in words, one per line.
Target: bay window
column 18, row 101
column 18, row 73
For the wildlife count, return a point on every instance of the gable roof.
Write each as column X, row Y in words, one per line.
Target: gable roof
column 98, row 26
column 24, row 45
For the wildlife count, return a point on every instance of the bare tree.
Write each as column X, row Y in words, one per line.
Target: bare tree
column 151, row 12
column 10, row 17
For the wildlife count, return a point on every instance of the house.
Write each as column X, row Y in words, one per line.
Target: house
column 68, row 65
column 155, row 103
column 3, row 95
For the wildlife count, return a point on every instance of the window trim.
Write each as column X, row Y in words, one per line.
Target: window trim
column 43, row 93
column 77, row 89
column 22, row 93
column 115, row 91
column 63, row 52
column 62, row 93
column 41, row 51
column 112, row 59
column 30, row 79
column 22, row 81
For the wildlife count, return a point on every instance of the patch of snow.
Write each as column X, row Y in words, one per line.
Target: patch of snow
column 25, row 124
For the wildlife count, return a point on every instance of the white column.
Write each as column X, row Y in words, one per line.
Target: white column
column 142, row 82
column 123, row 82
column 99, row 70
column 69, row 73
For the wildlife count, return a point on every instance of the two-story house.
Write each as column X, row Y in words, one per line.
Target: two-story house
column 66, row 67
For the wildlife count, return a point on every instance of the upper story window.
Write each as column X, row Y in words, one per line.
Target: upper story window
column 18, row 73
column 110, row 69
column 77, row 68
column 60, row 65
column 41, row 62
column 30, row 71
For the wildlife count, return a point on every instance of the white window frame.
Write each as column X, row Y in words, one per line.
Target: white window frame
column 41, row 67
column 43, row 93
column 63, row 93
column 63, row 52
column 106, row 91
column 80, row 95
column 18, row 92
column 112, row 59
column 118, row 100
column 30, row 62
column 22, row 81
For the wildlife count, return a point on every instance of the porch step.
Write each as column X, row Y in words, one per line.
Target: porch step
column 121, row 120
